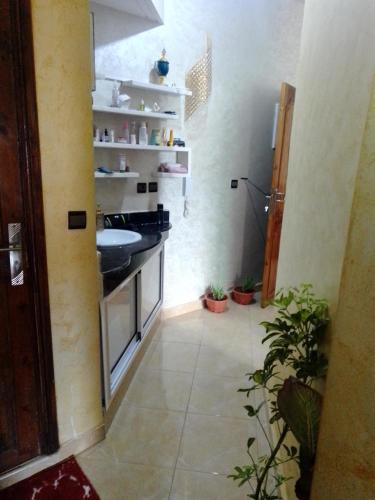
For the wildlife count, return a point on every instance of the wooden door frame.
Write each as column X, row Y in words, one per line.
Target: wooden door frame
column 34, row 234
column 278, row 190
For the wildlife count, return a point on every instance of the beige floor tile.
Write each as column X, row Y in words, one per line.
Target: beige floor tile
column 101, row 451
column 225, row 361
column 188, row 485
column 188, row 330
column 218, row 396
column 114, row 481
column 241, row 335
column 137, row 458
column 259, row 314
column 175, row 356
column 161, row 389
column 144, row 436
column 214, row 444
column 232, row 319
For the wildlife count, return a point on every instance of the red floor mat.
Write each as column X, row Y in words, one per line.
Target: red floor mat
column 63, row 481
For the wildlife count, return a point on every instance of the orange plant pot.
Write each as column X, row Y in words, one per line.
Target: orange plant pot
column 243, row 298
column 216, row 306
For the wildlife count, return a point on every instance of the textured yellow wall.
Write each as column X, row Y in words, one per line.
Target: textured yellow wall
column 62, row 61
column 345, row 467
column 334, row 81
column 333, row 90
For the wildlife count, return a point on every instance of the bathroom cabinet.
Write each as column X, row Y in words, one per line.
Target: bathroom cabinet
column 121, row 320
column 152, row 289
column 127, row 315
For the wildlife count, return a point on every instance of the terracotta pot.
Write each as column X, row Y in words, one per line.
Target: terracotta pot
column 216, row 306
column 243, row 298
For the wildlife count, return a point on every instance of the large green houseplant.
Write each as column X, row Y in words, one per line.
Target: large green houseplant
column 295, row 336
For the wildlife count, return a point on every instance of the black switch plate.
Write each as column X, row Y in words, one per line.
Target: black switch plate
column 234, row 183
column 77, row 220
column 152, row 187
column 141, row 187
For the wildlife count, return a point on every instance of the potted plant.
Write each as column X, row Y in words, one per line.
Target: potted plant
column 216, row 299
column 295, row 336
column 244, row 294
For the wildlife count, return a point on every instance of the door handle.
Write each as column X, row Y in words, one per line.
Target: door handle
column 14, row 249
column 11, row 249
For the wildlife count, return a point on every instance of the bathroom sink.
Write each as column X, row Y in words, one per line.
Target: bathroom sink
column 116, row 237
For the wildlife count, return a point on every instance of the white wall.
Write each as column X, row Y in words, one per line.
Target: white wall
column 255, row 47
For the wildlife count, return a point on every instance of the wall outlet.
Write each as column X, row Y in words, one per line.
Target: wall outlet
column 141, row 187
column 234, row 183
column 152, row 187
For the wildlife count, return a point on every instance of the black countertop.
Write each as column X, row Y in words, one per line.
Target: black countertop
column 117, row 263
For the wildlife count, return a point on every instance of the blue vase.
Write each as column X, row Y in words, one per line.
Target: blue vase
column 162, row 66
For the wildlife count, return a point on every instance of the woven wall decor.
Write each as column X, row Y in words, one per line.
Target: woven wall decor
column 199, row 80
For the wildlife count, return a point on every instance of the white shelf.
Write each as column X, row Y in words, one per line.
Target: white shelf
column 170, row 175
column 139, row 147
column 116, row 175
column 146, row 9
column 134, row 112
column 153, row 87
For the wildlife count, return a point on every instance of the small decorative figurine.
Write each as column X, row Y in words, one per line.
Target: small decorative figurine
column 162, row 67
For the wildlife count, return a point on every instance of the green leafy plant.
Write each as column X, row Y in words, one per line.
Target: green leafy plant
column 295, row 336
column 300, row 407
column 248, row 285
column 217, row 292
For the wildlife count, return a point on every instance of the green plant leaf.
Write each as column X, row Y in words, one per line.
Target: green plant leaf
column 251, row 411
column 300, row 407
column 250, row 441
column 258, row 377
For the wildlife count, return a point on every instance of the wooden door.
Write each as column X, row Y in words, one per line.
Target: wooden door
column 279, row 176
column 27, row 401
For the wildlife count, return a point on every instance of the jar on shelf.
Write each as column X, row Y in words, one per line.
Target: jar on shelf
column 122, row 162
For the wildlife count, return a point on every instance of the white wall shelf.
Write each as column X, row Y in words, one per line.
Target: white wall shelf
column 139, row 147
column 151, row 10
column 152, row 87
column 134, row 112
column 116, row 175
column 169, row 175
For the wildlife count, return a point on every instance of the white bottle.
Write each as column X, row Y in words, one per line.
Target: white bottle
column 133, row 133
column 115, row 95
column 97, row 134
column 143, row 137
column 126, row 132
column 122, row 161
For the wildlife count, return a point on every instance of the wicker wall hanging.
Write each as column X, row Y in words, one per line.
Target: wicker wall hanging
column 199, row 80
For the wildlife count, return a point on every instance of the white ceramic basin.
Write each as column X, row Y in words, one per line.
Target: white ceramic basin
column 116, row 237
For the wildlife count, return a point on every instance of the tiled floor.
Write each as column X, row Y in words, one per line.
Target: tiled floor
column 181, row 427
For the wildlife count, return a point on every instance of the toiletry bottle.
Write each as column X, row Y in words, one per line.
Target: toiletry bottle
column 96, row 134
column 142, row 105
column 133, row 133
column 99, row 218
column 115, row 95
column 143, row 139
column 105, row 136
column 170, row 142
column 160, row 212
column 122, row 162
column 126, row 132
column 112, row 135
